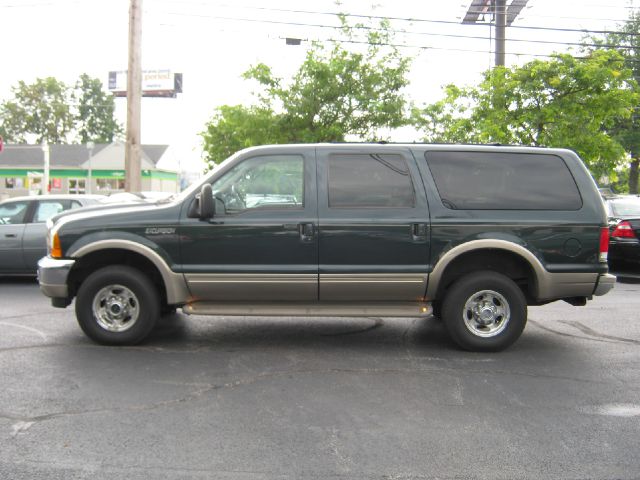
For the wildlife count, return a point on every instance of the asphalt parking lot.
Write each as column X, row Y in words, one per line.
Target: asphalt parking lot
column 296, row 398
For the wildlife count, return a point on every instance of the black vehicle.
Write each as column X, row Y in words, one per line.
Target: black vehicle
column 624, row 223
column 471, row 234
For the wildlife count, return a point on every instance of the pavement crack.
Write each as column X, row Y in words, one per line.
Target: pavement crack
column 335, row 445
column 46, row 313
column 205, row 388
column 570, row 335
column 149, row 348
column 34, row 347
column 401, row 371
column 589, row 331
column 22, row 421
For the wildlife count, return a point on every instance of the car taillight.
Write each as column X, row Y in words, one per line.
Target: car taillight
column 623, row 230
column 604, row 244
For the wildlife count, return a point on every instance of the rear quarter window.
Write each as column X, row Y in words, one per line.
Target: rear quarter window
column 503, row 181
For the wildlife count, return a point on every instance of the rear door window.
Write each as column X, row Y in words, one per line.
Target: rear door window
column 48, row 208
column 369, row 181
column 503, row 181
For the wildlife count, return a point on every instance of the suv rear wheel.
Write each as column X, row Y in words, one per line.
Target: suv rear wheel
column 484, row 311
column 117, row 305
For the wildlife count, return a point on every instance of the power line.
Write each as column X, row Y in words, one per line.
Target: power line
column 404, row 19
column 407, row 19
column 406, row 45
column 449, row 49
column 563, row 17
column 407, row 32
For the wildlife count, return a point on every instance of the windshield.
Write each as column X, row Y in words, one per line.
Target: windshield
column 626, row 207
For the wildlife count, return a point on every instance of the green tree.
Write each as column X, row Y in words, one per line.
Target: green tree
column 336, row 93
column 563, row 102
column 234, row 127
column 626, row 40
column 40, row 109
column 48, row 110
column 94, row 112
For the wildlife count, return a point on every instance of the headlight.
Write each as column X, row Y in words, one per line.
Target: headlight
column 53, row 241
column 55, row 250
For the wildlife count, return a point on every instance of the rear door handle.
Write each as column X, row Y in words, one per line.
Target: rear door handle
column 10, row 235
column 307, row 231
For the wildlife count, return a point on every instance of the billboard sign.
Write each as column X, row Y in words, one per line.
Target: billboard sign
column 155, row 83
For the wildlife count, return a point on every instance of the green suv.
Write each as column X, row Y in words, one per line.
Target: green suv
column 468, row 234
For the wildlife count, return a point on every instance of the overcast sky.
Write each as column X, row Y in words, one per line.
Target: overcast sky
column 213, row 41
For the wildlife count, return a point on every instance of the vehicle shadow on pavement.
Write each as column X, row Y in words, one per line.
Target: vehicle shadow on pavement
column 6, row 280
column 419, row 335
column 296, row 332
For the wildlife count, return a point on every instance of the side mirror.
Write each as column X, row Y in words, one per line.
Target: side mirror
column 207, row 205
column 203, row 206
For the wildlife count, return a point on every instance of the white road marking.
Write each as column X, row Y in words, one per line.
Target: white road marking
column 614, row 410
column 20, row 427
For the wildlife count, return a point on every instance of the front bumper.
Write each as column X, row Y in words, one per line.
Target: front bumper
column 52, row 276
column 606, row 281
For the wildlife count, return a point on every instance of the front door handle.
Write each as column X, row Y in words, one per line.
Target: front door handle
column 307, row 231
column 419, row 232
column 10, row 235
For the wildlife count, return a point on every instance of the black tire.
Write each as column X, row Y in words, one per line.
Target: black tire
column 127, row 306
column 484, row 311
column 436, row 305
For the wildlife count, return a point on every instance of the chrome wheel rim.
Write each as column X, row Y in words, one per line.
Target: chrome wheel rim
column 116, row 308
column 486, row 313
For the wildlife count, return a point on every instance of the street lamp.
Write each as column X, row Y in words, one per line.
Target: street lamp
column 90, row 147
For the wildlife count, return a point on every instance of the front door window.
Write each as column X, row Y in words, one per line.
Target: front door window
column 13, row 213
column 269, row 182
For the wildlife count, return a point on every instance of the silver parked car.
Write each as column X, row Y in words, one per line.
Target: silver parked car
column 23, row 230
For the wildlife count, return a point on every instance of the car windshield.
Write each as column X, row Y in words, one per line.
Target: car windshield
column 626, row 207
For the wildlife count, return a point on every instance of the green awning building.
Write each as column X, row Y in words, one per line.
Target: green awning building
column 77, row 169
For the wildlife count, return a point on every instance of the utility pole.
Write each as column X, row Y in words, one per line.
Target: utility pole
column 481, row 10
column 501, row 27
column 132, row 163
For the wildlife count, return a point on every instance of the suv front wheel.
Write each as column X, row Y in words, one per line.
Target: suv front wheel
column 117, row 305
column 484, row 311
